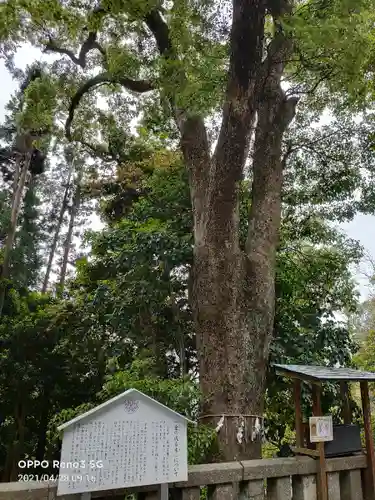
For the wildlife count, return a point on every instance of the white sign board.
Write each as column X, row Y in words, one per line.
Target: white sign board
column 321, row 429
column 131, row 442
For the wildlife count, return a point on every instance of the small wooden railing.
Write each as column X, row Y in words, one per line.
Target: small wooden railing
column 273, row 479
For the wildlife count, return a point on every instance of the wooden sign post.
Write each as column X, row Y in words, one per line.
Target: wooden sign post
column 129, row 441
column 321, row 430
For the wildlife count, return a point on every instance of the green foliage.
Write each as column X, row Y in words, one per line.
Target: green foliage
column 312, row 284
column 181, row 395
column 334, row 42
column 366, row 356
column 330, row 170
column 38, row 106
column 271, row 447
column 363, row 322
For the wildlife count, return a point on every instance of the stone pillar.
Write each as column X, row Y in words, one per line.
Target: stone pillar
column 193, row 493
column 279, row 488
column 225, row 492
column 252, row 490
column 351, row 485
column 304, row 487
column 333, row 479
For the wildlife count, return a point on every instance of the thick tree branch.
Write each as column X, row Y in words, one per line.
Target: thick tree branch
column 98, row 150
column 289, row 151
column 89, row 44
column 246, row 42
column 103, row 79
column 275, row 113
column 160, row 30
column 100, row 49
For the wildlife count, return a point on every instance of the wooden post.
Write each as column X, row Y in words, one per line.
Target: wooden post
column 322, row 485
column 346, row 413
column 297, row 404
column 317, row 405
column 370, row 470
column 163, row 492
column 86, row 496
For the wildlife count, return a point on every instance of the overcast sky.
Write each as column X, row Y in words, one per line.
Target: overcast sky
column 362, row 228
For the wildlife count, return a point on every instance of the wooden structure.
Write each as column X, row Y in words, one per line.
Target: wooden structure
column 316, row 375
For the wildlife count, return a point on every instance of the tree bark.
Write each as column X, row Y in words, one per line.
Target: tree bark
column 219, row 272
column 68, row 241
column 233, row 290
column 52, row 252
column 275, row 113
column 16, row 206
column 17, row 171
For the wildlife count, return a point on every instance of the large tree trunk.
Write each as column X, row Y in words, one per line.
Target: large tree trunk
column 233, row 290
column 52, row 252
column 234, row 296
column 275, row 113
column 219, row 302
column 22, row 168
column 274, row 116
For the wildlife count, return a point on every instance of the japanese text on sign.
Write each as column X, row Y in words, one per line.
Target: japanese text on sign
column 136, row 450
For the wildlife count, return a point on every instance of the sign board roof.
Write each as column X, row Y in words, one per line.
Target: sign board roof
column 123, row 396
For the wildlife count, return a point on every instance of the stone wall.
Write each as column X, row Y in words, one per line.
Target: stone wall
column 273, row 479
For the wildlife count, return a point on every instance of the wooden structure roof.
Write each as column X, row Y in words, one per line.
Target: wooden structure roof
column 321, row 373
